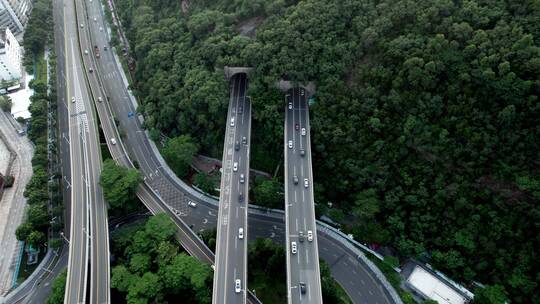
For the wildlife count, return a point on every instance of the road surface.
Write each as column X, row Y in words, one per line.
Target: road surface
column 303, row 275
column 231, row 242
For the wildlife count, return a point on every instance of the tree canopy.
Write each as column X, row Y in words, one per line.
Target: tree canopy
column 425, row 121
column 119, row 184
column 179, row 153
column 58, row 289
column 150, row 269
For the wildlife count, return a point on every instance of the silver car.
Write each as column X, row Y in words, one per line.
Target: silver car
column 240, row 233
column 294, row 249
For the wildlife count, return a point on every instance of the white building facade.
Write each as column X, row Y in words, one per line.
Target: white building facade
column 14, row 14
column 10, row 58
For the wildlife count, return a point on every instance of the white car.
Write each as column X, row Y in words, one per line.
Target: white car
column 99, row 99
column 113, row 141
column 100, row 29
column 95, row 19
column 192, row 204
column 240, row 233
column 242, row 178
column 232, row 122
column 290, row 105
column 86, row 52
column 303, row 131
column 290, row 144
column 310, row 235
column 72, row 98
column 237, row 286
column 306, row 183
column 235, row 167
column 82, row 25
column 293, row 248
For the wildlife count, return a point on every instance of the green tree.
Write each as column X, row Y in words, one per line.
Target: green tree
column 36, row 238
column 23, row 231
column 179, row 153
column 119, row 184
column 204, row 182
column 268, row 192
column 145, row 288
column 58, row 289
column 366, row 204
column 121, row 278
column 491, row 294
column 5, row 103
column 38, row 216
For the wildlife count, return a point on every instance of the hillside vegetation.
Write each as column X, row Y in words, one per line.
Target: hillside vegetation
column 426, row 124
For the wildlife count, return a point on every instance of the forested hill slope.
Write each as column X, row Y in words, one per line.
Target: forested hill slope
column 426, row 126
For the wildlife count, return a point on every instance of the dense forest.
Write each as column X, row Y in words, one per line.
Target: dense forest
column 148, row 267
column 425, row 128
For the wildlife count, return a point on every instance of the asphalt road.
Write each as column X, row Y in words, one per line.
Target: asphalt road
column 303, row 261
column 231, row 242
column 87, row 200
column 176, row 194
column 13, row 202
column 99, row 257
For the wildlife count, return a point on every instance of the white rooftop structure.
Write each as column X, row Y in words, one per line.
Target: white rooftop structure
column 433, row 288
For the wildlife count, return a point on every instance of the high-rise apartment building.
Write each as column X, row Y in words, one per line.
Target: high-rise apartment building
column 10, row 57
column 14, row 14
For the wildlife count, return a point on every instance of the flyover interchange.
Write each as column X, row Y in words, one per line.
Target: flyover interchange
column 164, row 192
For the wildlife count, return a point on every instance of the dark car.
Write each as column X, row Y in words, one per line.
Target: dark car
column 240, row 197
column 302, row 152
column 296, row 126
column 302, row 287
column 237, row 146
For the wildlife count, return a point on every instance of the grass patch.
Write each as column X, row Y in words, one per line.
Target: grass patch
column 40, row 72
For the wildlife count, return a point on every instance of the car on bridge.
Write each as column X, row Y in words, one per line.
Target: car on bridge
column 237, row 286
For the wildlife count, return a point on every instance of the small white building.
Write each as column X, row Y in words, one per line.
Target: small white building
column 10, row 58
column 427, row 283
